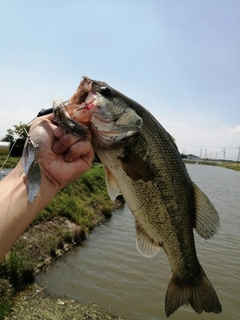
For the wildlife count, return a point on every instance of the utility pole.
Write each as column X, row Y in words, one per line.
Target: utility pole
column 238, row 155
column 205, row 154
column 224, row 151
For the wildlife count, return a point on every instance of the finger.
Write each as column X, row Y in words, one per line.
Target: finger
column 64, row 143
column 58, row 133
column 78, row 150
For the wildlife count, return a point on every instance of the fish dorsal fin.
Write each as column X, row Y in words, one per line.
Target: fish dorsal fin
column 207, row 221
column 113, row 189
column 145, row 244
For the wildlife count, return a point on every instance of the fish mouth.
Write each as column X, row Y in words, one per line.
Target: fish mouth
column 83, row 105
column 81, row 94
column 88, row 97
column 82, row 102
column 92, row 106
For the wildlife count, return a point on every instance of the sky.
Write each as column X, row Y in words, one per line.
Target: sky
column 180, row 59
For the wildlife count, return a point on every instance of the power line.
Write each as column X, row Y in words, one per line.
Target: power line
column 204, row 152
column 203, row 146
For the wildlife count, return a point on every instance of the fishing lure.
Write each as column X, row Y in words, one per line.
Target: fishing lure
column 31, row 168
column 30, row 163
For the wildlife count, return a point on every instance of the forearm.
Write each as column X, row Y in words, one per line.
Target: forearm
column 62, row 159
column 16, row 212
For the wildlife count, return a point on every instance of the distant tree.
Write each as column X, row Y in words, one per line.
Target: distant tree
column 21, row 130
column 183, row 156
column 9, row 136
column 17, row 136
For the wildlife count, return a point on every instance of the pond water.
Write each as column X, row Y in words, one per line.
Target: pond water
column 4, row 172
column 108, row 270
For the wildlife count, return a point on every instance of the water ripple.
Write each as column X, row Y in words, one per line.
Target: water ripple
column 108, row 269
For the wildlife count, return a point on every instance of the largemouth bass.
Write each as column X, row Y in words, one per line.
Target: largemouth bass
column 142, row 162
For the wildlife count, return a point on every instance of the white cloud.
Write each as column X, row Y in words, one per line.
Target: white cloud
column 210, row 141
column 230, row 129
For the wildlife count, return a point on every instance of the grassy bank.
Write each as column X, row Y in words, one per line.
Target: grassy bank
column 10, row 163
column 229, row 165
column 74, row 211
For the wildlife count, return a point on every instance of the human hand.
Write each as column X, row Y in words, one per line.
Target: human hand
column 62, row 158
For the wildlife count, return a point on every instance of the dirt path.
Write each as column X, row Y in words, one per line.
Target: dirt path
column 32, row 304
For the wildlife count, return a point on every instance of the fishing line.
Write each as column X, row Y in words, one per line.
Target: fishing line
column 8, row 154
column 41, row 113
column 44, row 112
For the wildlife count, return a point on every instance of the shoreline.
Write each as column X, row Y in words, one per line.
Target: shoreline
column 30, row 299
column 32, row 303
column 64, row 224
column 56, row 231
column 227, row 164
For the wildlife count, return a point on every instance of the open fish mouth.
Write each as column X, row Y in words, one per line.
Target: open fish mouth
column 93, row 106
column 87, row 101
column 81, row 104
column 80, row 97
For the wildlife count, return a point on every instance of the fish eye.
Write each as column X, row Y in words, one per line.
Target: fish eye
column 106, row 92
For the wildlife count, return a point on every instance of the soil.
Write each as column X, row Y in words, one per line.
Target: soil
column 46, row 242
column 32, row 304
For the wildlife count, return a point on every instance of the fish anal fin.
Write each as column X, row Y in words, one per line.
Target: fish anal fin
column 200, row 294
column 207, row 222
column 145, row 245
column 113, row 189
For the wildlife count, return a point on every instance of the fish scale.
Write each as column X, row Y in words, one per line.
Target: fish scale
column 142, row 162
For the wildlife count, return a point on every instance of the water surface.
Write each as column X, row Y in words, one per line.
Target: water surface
column 108, row 270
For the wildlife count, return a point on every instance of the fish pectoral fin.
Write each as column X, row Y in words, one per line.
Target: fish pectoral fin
column 113, row 189
column 145, row 245
column 207, row 222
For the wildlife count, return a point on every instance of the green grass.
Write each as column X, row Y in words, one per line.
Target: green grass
column 11, row 162
column 81, row 200
column 5, row 307
column 83, row 204
column 229, row 165
column 17, row 266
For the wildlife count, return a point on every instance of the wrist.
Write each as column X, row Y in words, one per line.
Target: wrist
column 49, row 187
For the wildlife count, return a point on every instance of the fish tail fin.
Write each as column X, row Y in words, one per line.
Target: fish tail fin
column 200, row 294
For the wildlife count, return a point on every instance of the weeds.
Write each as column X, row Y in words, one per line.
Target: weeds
column 11, row 162
column 81, row 200
column 5, row 302
column 18, row 269
column 5, row 307
column 227, row 164
column 74, row 211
